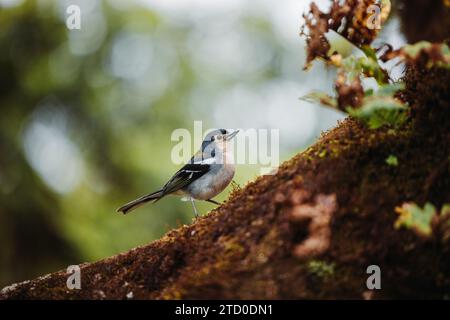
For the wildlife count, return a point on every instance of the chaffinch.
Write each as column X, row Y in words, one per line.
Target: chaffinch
column 207, row 174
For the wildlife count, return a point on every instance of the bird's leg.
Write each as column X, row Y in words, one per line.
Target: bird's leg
column 193, row 206
column 213, row 201
column 235, row 185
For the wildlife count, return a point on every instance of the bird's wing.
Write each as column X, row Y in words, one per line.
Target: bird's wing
column 183, row 177
column 199, row 164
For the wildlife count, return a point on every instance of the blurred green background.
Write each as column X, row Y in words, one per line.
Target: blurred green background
column 87, row 115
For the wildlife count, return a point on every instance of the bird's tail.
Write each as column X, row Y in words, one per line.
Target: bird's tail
column 130, row 206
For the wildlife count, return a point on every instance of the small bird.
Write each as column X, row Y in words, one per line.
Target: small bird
column 206, row 175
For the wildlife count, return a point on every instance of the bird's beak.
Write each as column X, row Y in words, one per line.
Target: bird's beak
column 230, row 136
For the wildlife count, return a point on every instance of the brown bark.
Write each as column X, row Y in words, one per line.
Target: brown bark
column 424, row 19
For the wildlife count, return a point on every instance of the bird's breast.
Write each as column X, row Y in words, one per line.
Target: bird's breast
column 212, row 183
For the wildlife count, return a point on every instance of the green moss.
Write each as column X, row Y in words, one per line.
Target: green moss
column 321, row 269
column 392, row 160
column 413, row 217
column 323, row 153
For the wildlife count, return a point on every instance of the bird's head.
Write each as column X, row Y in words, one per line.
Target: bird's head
column 217, row 140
